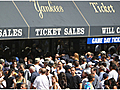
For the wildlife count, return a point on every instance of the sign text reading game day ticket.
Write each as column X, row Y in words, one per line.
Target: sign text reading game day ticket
column 103, row 40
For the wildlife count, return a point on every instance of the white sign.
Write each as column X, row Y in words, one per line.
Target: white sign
column 59, row 31
column 10, row 32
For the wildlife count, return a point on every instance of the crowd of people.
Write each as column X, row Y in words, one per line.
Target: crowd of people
column 88, row 71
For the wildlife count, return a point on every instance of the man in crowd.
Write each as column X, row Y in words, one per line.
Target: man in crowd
column 75, row 80
column 41, row 82
column 34, row 74
column 113, row 73
column 96, row 82
column 49, row 76
column 37, row 62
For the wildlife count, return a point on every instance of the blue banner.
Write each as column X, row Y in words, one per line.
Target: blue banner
column 103, row 40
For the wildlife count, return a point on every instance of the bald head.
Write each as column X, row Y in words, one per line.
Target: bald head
column 43, row 70
column 32, row 69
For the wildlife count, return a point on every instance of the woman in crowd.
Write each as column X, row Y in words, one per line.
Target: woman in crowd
column 112, row 83
column 20, row 79
column 62, row 80
column 10, row 79
column 88, row 85
column 55, row 84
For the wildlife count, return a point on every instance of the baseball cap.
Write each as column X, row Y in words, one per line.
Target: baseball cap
column 63, row 61
column 51, row 62
column 17, row 58
column 109, row 55
column 70, row 64
column 103, row 52
column 67, row 67
column 2, row 60
column 48, row 68
column 114, row 55
column 87, row 71
column 37, row 59
column 90, row 63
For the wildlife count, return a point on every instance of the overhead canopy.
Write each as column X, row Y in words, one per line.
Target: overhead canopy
column 44, row 19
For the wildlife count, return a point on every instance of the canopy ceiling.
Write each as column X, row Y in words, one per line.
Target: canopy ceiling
column 56, row 19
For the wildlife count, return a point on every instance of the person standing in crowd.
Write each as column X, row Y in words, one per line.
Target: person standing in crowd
column 106, row 83
column 75, row 80
column 41, row 82
column 112, row 83
column 84, row 78
column 37, row 62
column 68, row 75
column 25, row 60
column 26, row 72
column 78, row 68
column 105, row 61
column 113, row 73
column 84, row 63
column 102, row 71
column 20, row 79
column 10, row 79
column 25, row 68
column 60, row 68
column 76, row 56
column 6, row 67
column 88, row 57
column 96, row 82
column 88, row 85
column 34, row 74
column 29, row 63
column 89, row 66
column 55, row 84
column 102, row 85
column 14, row 66
column 62, row 80
column 49, row 76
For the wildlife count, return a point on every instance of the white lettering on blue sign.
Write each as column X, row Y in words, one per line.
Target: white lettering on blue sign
column 103, row 40
column 107, row 40
column 97, row 40
column 115, row 39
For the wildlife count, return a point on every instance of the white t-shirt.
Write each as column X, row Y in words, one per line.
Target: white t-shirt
column 83, row 66
column 59, row 88
column 41, row 82
column 50, row 79
column 4, row 82
column 37, row 67
column 102, row 84
column 62, row 70
column 84, row 81
column 113, row 74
